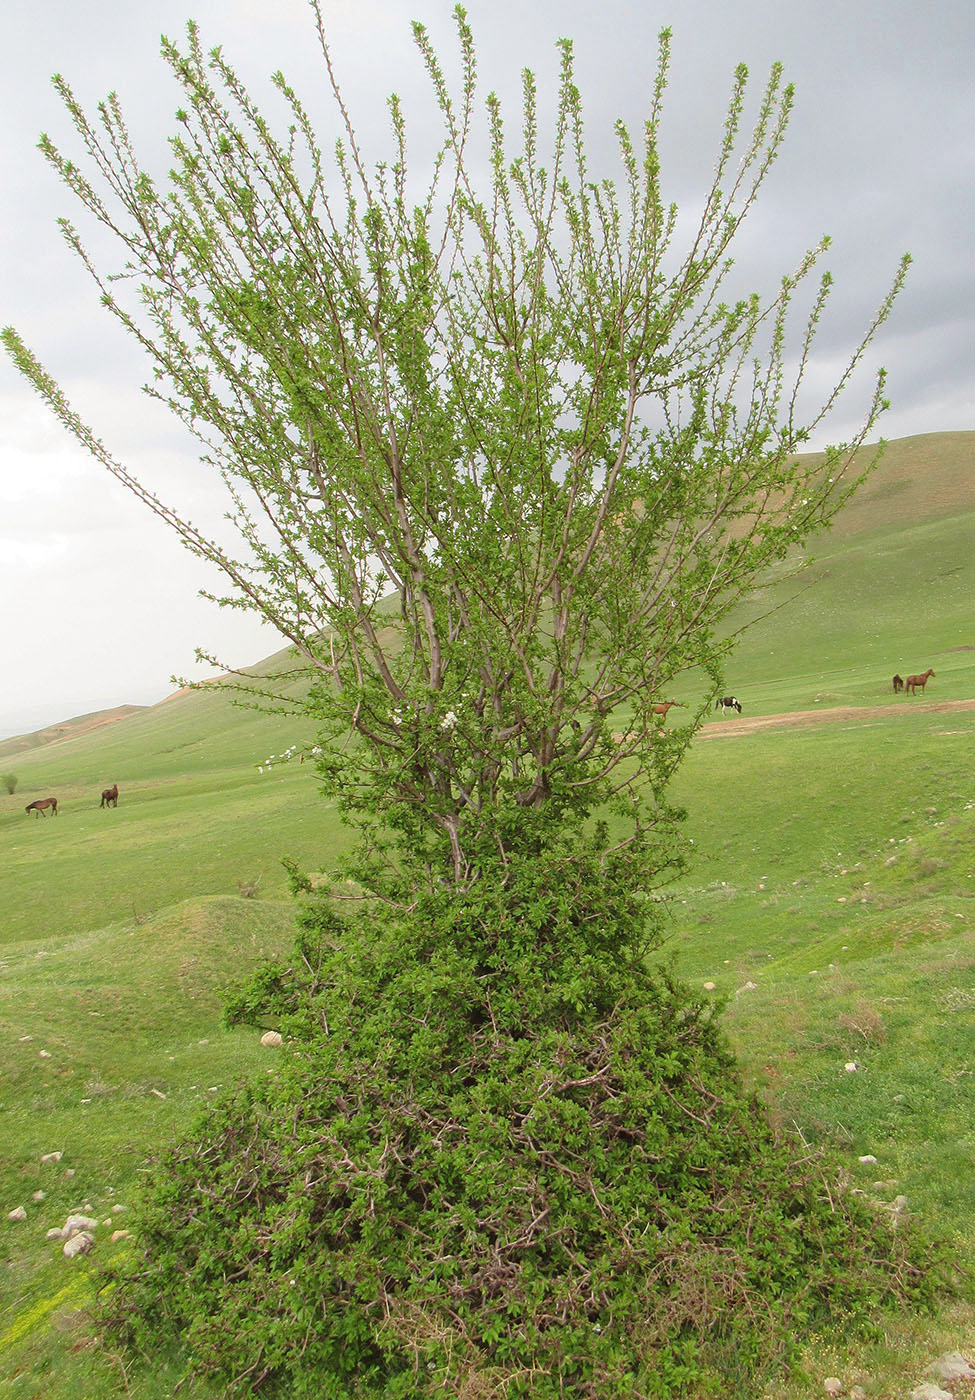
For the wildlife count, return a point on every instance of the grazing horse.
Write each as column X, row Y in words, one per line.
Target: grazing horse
column 898, row 684
column 110, row 797
column 913, row 682
column 728, row 702
column 40, row 805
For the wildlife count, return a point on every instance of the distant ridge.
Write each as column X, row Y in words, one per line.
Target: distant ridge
column 926, row 477
column 67, row 729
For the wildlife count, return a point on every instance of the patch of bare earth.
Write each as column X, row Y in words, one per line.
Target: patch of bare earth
column 840, row 714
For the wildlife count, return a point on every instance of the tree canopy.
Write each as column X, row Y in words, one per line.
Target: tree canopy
column 501, row 456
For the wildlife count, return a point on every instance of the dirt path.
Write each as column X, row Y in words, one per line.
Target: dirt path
column 800, row 719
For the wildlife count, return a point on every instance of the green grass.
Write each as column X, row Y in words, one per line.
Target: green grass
column 896, row 599
column 129, row 1018
column 834, row 871
column 852, row 912
column 166, row 841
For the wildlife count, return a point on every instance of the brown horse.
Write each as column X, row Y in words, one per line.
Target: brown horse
column 662, row 708
column 898, row 684
column 912, row 683
column 110, row 797
column 39, row 806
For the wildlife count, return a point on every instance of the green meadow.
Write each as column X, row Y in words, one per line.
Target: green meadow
column 830, row 902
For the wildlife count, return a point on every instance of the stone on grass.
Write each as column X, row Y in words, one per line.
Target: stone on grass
column 18, row 1213
column 55, row 1233
column 868, row 1158
column 709, row 986
column 38, row 1195
column 78, row 1244
column 120, row 1235
column 51, row 1157
column 272, row 1038
column 927, row 1391
column 952, row 1367
column 851, row 1066
column 833, row 1385
column 76, row 1223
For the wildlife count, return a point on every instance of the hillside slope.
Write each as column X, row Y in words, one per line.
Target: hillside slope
column 66, row 729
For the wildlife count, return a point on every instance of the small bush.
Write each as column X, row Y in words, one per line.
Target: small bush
column 503, row 1159
column 866, row 1021
column 9, row 782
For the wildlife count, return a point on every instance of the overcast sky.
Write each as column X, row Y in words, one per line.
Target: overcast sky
column 99, row 604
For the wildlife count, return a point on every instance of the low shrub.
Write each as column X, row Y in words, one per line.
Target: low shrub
column 500, row 1157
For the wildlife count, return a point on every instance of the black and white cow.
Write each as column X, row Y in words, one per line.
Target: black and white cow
column 727, row 702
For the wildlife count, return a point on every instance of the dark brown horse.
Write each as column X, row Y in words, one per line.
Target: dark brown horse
column 40, row 805
column 110, row 796
column 898, row 684
column 913, row 683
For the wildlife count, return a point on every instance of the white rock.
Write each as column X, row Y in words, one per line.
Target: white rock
column 272, row 1038
column 927, row 1391
column 76, row 1223
column 38, row 1195
column 54, row 1234
column 748, row 987
column 43, row 1054
column 52, row 1157
column 106, row 1223
column 833, row 1385
column 952, row 1366
column 858, row 1393
column 709, row 986
column 120, row 1235
column 851, row 1066
column 78, row 1244
column 898, row 1203
column 116, row 1209
column 868, row 1158
column 69, row 1171
column 18, row 1213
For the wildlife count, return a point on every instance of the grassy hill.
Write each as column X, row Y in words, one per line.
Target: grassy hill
column 831, row 903
column 67, row 729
